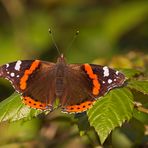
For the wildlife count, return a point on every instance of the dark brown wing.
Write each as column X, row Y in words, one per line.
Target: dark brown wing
column 78, row 92
column 14, row 72
column 87, row 82
column 34, row 79
column 108, row 78
column 78, row 87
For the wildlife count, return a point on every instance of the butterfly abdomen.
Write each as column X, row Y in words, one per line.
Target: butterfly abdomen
column 59, row 82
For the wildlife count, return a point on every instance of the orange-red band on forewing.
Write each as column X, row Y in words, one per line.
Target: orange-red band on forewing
column 34, row 104
column 33, row 67
column 96, row 84
column 79, row 108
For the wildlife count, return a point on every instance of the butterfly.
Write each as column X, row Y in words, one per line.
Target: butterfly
column 77, row 86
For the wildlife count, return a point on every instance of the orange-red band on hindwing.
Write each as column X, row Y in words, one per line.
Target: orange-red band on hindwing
column 79, row 108
column 96, row 84
column 34, row 104
column 33, row 67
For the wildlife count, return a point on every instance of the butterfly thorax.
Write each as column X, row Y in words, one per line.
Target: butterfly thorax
column 60, row 74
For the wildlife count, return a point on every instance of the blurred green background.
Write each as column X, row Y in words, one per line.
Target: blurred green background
column 115, row 30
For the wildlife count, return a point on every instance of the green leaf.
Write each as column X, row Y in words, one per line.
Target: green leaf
column 141, row 116
column 141, row 86
column 81, row 119
column 12, row 109
column 129, row 73
column 111, row 111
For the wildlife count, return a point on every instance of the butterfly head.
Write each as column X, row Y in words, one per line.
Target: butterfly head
column 61, row 59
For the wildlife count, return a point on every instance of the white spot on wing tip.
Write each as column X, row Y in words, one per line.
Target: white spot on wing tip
column 7, row 65
column 117, row 72
column 12, row 74
column 18, row 65
column 110, row 81
column 106, row 71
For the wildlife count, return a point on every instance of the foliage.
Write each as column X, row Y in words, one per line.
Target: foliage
column 13, row 109
column 108, row 112
column 107, row 28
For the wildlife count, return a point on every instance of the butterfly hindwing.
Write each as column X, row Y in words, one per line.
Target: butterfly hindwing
column 77, row 89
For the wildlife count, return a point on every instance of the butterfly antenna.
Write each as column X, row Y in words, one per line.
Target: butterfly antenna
column 74, row 38
column 53, row 40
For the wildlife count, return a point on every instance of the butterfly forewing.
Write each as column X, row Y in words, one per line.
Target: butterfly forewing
column 34, row 79
column 14, row 72
column 108, row 78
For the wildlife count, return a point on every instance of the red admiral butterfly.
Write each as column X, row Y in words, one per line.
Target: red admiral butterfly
column 76, row 85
